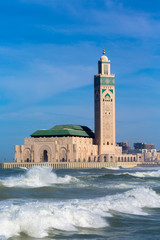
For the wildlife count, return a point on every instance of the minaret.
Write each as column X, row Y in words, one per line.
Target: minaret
column 104, row 101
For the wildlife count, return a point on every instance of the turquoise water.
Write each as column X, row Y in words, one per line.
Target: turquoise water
column 113, row 203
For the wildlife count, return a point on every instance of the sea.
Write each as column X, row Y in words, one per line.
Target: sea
column 108, row 203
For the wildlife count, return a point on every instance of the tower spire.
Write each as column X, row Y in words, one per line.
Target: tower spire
column 104, row 51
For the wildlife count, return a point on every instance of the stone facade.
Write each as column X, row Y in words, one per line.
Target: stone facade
column 56, row 149
column 67, row 149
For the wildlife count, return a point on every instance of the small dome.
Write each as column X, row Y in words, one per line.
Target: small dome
column 104, row 58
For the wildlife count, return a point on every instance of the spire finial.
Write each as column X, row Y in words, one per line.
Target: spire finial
column 104, row 51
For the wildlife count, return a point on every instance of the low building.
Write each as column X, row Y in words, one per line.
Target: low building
column 62, row 143
column 149, row 155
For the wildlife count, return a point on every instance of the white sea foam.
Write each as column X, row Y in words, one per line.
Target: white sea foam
column 23, row 168
column 145, row 174
column 112, row 168
column 120, row 186
column 37, row 177
column 134, row 201
column 115, row 168
column 36, row 218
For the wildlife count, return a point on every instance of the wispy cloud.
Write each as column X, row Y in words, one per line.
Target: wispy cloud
column 44, row 80
column 114, row 19
column 36, row 75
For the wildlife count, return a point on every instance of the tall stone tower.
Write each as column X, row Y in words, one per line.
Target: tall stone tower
column 104, row 101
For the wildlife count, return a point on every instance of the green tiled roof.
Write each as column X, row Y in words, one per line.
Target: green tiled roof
column 65, row 130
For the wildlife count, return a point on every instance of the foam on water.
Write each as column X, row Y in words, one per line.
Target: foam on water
column 120, row 186
column 37, row 177
column 115, row 168
column 134, row 201
column 112, row 168
column 155, row 174
column 36, row 218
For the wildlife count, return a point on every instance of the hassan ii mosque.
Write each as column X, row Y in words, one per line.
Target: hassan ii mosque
column 75, row 143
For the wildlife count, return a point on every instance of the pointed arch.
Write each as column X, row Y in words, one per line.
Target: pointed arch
column 27, row 155
column 45, row 153
column 63, row 154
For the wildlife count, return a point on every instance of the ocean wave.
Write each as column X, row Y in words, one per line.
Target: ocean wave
column 154, row 174
column 38, row 218
column 35, row 219
column 116, row 168
column 113, row 168
column 37, row 177
column 120, row 186
column 134, row 201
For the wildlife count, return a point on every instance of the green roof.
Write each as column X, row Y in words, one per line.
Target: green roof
column 65, row 130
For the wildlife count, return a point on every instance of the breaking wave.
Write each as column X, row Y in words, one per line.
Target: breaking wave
column 37, row 177
column 155, row 174
column 113, row 168
column 37, row 218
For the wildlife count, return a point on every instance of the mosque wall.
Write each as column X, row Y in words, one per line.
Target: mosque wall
column 56, row 149
column 67, row 149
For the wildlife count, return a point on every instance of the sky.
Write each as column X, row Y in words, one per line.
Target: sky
column 49, row 50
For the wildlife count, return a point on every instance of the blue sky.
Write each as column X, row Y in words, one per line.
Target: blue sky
column 48, row 55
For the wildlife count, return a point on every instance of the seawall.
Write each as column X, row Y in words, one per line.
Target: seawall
column 74, row 165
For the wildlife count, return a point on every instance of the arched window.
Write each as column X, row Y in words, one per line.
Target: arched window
column 63, row 155
column 45, row 156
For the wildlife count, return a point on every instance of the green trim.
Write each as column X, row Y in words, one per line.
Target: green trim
column 111, row 90
column 107, row 81
column 103, row 90
column 104, row 81
column 107, row 95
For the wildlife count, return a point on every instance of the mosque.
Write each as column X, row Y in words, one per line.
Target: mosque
column 75, row 143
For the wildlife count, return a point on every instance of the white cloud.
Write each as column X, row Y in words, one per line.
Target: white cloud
column 44, row 80
column 114, row 19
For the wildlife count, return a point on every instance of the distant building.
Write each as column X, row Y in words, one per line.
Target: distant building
column 149, row 154
column 139, row 145
column 125, row 146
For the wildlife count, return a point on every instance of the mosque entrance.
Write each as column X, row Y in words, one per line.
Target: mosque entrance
column 63, row 155
column 45, row 156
